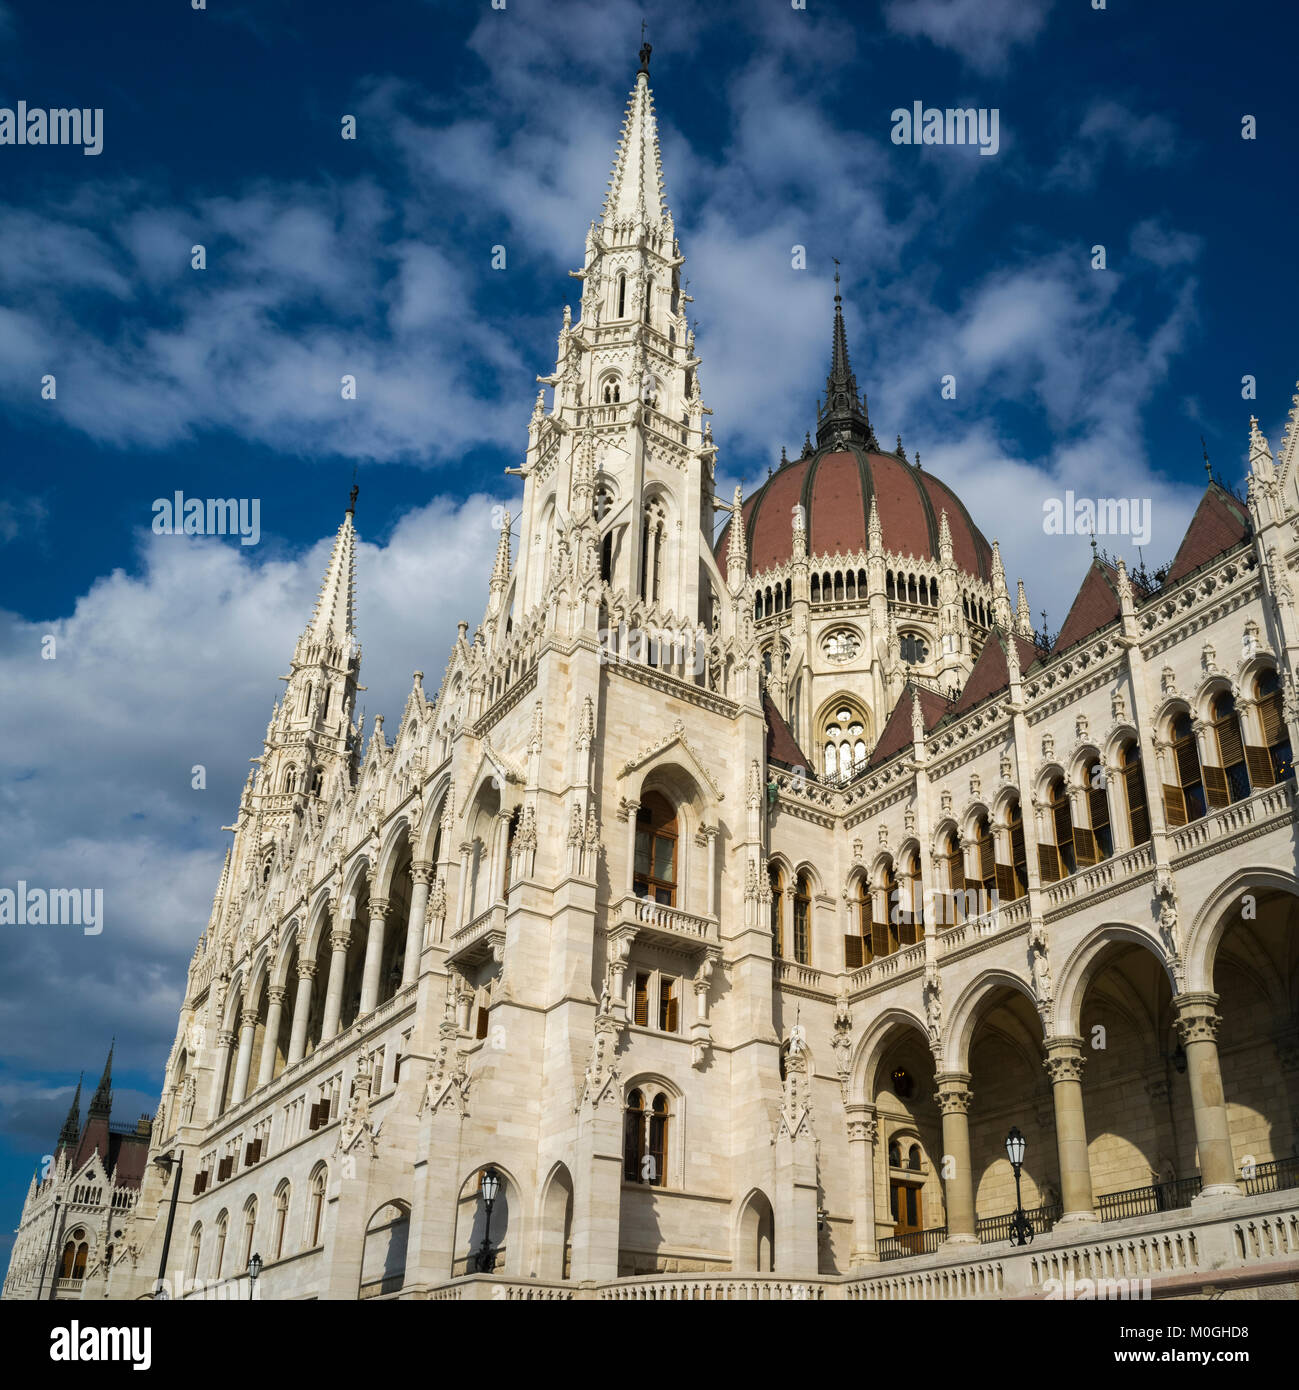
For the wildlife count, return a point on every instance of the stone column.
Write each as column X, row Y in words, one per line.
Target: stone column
column 301, row 1011
column 225, row 1043
column 421, row 873
column 1198, row 1021
column 711, row 832
column 373, row 954
column 632, row 808
column 462, row 906
column 953, row 1097
column 863, row 1132
column 266, row 1071
column 1064, row 1065
column 339, row 940
column 243, row 1063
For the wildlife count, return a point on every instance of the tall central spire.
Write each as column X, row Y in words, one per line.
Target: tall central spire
column 636, row 182
column 843, row 415
column 331, row 623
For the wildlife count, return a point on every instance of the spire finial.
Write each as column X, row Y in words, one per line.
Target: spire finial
column 1208, row 467
column 645, row 51
column 838, row 298
column 844, row 412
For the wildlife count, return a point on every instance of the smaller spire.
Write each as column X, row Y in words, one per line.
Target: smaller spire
column 875, row 531
column 102, row 1101
column 1204, row 450
column 1023, row 617
column 945, row 549
column 1260, row 455
column 501, row 569
column 72, row 1125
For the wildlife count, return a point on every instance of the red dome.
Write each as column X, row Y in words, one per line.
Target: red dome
column 835, row 487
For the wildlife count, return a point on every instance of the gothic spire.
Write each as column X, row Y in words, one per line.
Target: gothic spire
column 102, row 1101
column 636, row 182
column 71, row 1130
column 844, row 412
column 331, row 623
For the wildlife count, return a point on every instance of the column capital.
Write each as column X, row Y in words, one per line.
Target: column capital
column 421, row 871
column 1064, row 1060
column 378, row 909
column 249, row 1018
column 953, row 1095
column 1198, row 1019
column 277, row 994
column 863, row 1123
column 306, row 969
column 226, row 1037
column 340, row 939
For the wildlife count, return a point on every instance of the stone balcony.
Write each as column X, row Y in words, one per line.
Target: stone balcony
column 673, row 927
column 484, row 937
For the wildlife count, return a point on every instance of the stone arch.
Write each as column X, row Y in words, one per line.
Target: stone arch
column 753, row 1236
column 395, row 846
column 1211, row 922
column 876, row 1042
column 555, row 1224
column 964, row 1015
column 1085, row 962
column 431, row 823
column 383, row 1257
column 290, row 947
column 505, row 1233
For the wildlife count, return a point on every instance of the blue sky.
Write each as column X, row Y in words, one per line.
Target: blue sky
column 476, row 128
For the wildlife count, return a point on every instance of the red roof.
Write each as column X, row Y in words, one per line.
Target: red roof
column 896, row 733
column 1220, row 522
column 782, row 747
column 1095, row 606
column 835, row 488
column 991, row 671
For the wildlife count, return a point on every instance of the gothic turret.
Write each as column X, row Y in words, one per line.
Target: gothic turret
column 101, row 1103
column 843, row 414
column 71, row 1130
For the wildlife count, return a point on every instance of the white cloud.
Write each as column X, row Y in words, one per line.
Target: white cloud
column 982, row 32
column 1141, row 141
column 156, row 672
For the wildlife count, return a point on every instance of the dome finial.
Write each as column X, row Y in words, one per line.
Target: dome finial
column 645, row 51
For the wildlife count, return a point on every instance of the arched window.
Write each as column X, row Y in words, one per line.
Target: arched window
column 1279, row 762
column 1094, row 842
column 649, row 296
column 658, row 1141
column 954, row 857
column 803, row 920
column 1134, row 787
column 1184, row 800
column 69, row 1259
column 913, row 648
column 290, row 778
column 844, row 740
column 887, row 939
column 1056, row 857
column 633, row 1137
column 777, row 910
column 511, row 828
column 913, row 1158
column 195, row 1249
column 911, row 900
column 222, row 1230
column 1012, row 879
column 612, row 391
column 656, row 851
column 79, row 1264
column 316, row 1209
column 250, row 1225
column 281, row 1221
column 622, row 295
column 857, row 943
column 1229, row 781
column 895, row 1154
column 985, row 861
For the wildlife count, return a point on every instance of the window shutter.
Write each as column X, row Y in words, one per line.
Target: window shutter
column 1098, row 807
column 1259, row 763
column 670, row 1025
column 955, row 872
column 1138, row 813
column 986, row 862
column 324, row 1109
column 879, row 938
column 248, row 1154
column 1269, row 711
column 1215, row 787
column 314, row 1118
column 1084, row 846
column 852, row 953
column 1048, row 863
column 1005, row 883
column 641, row 1015
column 1188, row 762
column 1174, row 806
column 1229, row 742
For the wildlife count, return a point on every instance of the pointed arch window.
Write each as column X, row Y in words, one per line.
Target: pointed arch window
column 633, row 1134
column 222, row 1230
column 911, row 900
column 622, row 295
column 1229, row 781
column 1184, row 799
column 1134, row 790
column 1056, row 857
column 886, row 938
column 777, row 880
column 803, row 920
column 250, row 1226
column 1094, row 841
column 954, row 857
column 281, row 1221
column 316, row 1210
column 655, row 875
column 1012, row 878
column 1275, row 761
column 857, row 949
column 195, row 1250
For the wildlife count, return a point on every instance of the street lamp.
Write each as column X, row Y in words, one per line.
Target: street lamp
column 165, row 1163
column 254, row 1269
column 489, row 1186
column 1021, row 1228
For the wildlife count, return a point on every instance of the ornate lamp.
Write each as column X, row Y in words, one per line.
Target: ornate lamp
column 1021, row 1228
column 489, row 1186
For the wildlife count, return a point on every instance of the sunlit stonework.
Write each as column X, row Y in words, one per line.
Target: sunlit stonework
column 723, row 907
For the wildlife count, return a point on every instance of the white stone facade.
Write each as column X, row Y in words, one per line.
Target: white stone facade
column 443, row 955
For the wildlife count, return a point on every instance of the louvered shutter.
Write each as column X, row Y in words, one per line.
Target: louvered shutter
column 1259, row 763
column 852, row 953
column 1048, row 863
column 1084, row 846
column 987, row 867
column 1138, row 813
column 1174, row 806
column 1005, row 883
column 1215, row 787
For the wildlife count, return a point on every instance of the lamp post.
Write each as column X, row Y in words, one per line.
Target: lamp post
column 1021, row 1228
column 165, row 1161
column 254, row 1269
column 485, row 1260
